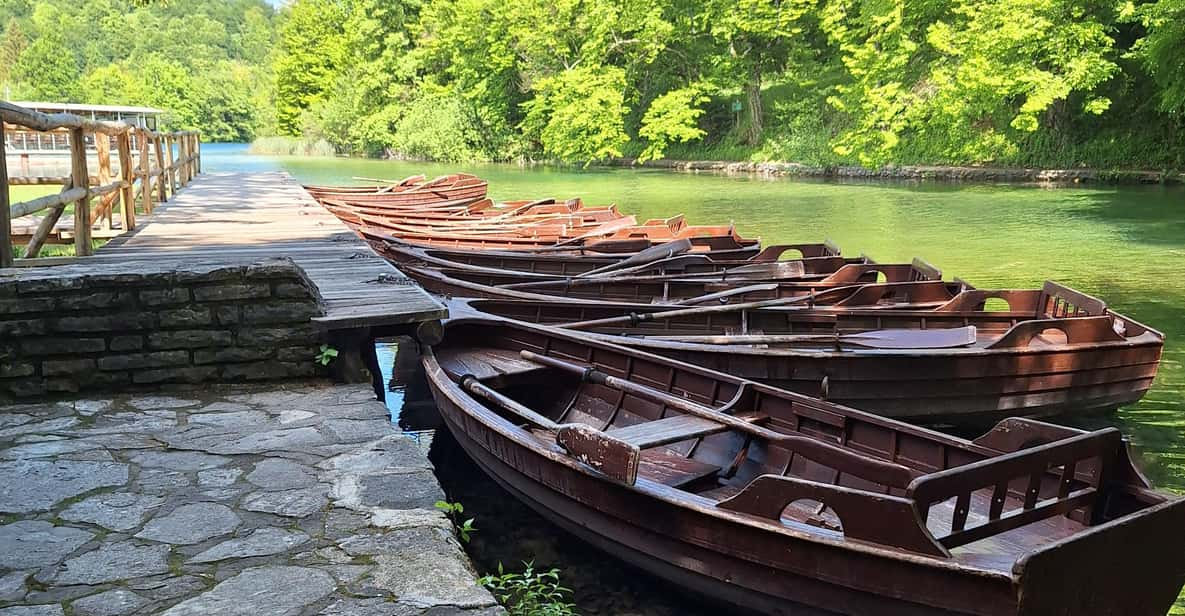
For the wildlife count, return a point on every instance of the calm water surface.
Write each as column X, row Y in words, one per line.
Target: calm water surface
column 1125, row 245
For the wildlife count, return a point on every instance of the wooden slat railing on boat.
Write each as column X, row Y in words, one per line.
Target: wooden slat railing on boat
column 137, row 181
column 1058, row 478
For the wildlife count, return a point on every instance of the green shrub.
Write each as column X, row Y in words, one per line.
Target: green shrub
column 440, row 128
column 530, row 593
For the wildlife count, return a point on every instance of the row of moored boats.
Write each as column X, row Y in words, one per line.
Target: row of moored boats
column 744, row 420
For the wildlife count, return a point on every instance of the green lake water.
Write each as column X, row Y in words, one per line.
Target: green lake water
column 1125, row 244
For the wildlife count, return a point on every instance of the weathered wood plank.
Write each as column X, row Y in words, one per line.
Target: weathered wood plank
column 248, row 217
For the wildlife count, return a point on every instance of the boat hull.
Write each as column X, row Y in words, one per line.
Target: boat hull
column 945, row 387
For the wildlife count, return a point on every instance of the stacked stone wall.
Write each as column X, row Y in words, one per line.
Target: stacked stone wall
column 110, row 326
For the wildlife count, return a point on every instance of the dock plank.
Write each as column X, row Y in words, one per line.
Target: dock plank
column 249, row 216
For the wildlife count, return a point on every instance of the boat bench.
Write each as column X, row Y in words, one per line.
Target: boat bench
column 667, row 467
column 490, row 366
column 666, row 431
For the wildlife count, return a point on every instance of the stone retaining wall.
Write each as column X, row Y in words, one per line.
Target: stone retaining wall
column 112, row 326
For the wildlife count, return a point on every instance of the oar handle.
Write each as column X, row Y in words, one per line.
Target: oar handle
column 838, row 458
column 470, row 384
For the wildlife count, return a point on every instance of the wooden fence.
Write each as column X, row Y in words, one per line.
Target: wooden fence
column 148, row 174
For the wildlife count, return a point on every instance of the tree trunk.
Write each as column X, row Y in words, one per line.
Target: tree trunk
column 753, row 92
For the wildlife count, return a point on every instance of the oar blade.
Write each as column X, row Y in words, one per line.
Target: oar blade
column 914, row 338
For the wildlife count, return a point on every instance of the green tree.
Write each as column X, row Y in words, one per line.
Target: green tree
column 759, row 37
column 312, row 51
column 579, row 114
column 12, row 43
column 47, row 70
column 1163, row 50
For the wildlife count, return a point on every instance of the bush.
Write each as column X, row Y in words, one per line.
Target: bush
column 441, row 128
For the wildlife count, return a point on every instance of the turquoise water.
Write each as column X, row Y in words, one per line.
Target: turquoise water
column 1124, row 244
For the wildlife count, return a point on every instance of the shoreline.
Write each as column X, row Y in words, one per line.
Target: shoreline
column 942, row 173
column 934, row 173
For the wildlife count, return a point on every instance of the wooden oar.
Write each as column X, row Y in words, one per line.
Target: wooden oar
column 613, row 457
column 842, row 460
column 650, row 255
column 724, row 295
column 879, row 339
column 634, row 318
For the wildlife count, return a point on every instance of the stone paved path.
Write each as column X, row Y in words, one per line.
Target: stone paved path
column 259, row 502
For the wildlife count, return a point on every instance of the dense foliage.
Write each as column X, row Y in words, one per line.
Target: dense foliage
column 1032, row 82
column 207, row 63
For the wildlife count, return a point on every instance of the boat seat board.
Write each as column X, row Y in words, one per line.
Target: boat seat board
column 667, row 430
column 671, row 469
column 658, row 465
column 486, row 364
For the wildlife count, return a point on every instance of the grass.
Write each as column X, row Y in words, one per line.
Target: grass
column 292, row 146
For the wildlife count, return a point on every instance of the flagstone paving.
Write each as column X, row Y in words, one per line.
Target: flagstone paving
column 276, row 500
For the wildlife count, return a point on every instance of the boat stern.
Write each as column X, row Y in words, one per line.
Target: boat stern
column 1133, row 565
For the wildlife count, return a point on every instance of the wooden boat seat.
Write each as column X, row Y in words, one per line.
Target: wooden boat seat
column 673, row 429
column 487, row 365
column 672, row 469
column 658, row 465
column 666, row 431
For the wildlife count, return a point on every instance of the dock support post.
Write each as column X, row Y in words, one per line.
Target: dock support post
column 80, row 178
column 5, row 211
column 123, row 144
column 357, row 361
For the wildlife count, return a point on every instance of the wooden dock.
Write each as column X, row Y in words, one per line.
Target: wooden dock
column 252, row 216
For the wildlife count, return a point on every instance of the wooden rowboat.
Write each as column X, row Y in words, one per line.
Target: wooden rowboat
column 782, row 504
column 660, row 289
column 724, row 247
column 818, row 258
column 454, row 187
column 1053, row 351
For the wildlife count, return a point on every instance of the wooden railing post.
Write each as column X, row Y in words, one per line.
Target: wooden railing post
column 171, row 172
column 145, row 173
column 127, row 201
column 80, row 178
column 197, row 152
column 103, row 153
column 160, row 165
column 184, row 141
column 5, row 212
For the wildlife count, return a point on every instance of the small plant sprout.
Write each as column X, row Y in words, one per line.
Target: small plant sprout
column 530, row 593
column 454, row 511
column 326, row 355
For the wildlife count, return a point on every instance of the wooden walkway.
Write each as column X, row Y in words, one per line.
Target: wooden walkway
column 251, row 216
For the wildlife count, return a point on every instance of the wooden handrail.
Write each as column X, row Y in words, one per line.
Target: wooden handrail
column 80, row 187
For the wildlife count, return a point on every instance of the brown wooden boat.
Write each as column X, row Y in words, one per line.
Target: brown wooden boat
column 455, row 187
column 782, row 504
column 723, row 247
column 1052, row 351
column 659, row 289
column 817, row 259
